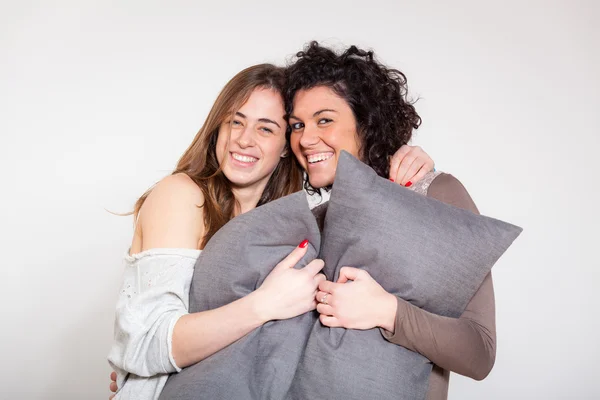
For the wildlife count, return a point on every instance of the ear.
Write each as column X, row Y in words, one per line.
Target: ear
column 284, row 153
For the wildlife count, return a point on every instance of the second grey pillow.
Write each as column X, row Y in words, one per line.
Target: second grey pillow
column 427, row 252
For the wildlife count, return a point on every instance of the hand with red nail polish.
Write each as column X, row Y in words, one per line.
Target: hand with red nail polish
column 409, row 165
column 288, row 292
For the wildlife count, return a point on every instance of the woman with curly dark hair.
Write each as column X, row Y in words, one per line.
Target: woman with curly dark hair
column 351, row 102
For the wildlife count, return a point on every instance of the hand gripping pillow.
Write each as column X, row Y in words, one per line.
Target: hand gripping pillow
column 236, row 260
column 429, row 253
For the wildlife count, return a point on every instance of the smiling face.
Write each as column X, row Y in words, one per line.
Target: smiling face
column 323, row 125
column 250, row 154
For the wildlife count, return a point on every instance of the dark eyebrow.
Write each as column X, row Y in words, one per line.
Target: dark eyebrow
column 268, row 121
column 315, row 114
column 322, row 111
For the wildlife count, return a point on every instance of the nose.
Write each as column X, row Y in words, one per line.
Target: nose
column 246, row 137
column 309, row 137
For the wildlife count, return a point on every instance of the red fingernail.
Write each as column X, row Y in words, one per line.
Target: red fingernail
column 303, row 244
column 392, row 180
column 408, row 184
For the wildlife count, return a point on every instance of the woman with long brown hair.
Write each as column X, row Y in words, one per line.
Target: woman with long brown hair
column 238, row 160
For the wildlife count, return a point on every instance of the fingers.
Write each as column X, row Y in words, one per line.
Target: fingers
column 320, row 278
column 427, row 160
column 396, row 160
column 325, row 309
column 348, row 273
column 294, row 257
column 422, row 172
column 329, row 321
column 314, row 267
column 320, row 295
column 410, row 163
column 417, row 170
column 327, row 286
column 113, row 384
column 410, row 171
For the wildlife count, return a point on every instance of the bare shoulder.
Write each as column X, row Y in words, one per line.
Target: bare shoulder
column 178, row 184
column 448, row 189
column 172, row 215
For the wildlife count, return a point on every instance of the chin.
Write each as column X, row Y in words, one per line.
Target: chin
column 319, row 182
column 236, row 180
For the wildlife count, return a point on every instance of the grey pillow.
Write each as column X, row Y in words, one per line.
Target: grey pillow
column 427, row 252
column 236, row 260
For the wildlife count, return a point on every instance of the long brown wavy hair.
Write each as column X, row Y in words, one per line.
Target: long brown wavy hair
column 200, row 163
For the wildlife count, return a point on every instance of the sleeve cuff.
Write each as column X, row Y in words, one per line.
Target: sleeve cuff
column 173, row 367
column 397, row 334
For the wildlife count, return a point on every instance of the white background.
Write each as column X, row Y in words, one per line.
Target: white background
column 99, row 99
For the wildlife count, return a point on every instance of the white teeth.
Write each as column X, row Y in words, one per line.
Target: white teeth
column 242, row 158
column 313, row 158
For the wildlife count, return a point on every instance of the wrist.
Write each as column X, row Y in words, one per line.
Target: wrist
column 259, row 307
column 389, row 308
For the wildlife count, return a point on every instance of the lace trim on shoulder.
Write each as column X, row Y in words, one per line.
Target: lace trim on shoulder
column 422, row 186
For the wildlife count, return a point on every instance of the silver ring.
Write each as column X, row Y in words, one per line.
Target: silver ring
column 324, row 298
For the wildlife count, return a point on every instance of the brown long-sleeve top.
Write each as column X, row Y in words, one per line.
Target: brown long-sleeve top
column 465, row 345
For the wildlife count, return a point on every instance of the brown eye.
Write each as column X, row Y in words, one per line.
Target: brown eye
column 296, row 126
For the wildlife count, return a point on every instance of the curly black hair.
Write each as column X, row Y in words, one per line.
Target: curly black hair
column 376, row 94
